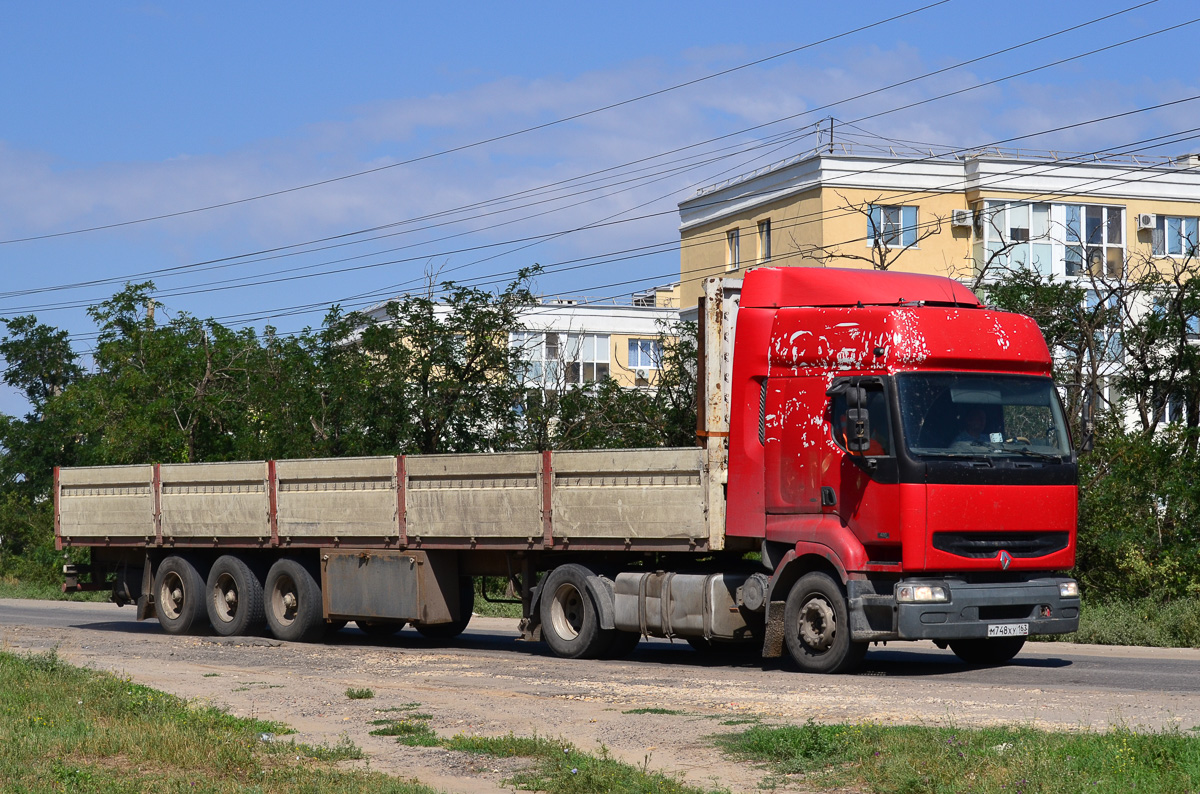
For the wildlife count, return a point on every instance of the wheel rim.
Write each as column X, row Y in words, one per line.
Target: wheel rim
column 566, row 611
column 225, row 598
column 171, row 595
column 818, row 624
column 284, row 600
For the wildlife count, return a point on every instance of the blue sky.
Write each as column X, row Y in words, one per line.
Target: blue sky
column 113, row 112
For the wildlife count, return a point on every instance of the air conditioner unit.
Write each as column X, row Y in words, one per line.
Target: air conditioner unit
column 962, row 218
column 642, row 373
column 1146, row 220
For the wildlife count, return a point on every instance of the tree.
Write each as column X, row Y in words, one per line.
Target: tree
column 889, row 237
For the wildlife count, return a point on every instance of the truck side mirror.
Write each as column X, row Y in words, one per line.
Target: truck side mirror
column 858, row 430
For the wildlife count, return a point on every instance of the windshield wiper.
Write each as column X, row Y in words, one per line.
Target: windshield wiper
column 1040, row 455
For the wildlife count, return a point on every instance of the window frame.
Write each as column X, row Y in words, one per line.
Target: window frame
column 898, row 231
column 733, row 255
column 764, row 241
column 654, row 354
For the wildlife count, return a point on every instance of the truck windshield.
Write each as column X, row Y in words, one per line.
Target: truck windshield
column 972, row 415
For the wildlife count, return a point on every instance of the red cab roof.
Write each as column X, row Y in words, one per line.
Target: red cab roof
column 775, row 287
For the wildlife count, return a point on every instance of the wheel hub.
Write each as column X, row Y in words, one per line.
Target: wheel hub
column 817, row 624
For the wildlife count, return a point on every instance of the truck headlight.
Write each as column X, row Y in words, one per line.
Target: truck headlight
column 909, row 593
column 1068, row 589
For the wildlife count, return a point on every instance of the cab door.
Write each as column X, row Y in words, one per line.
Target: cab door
column 794, row 442
column 862, row 480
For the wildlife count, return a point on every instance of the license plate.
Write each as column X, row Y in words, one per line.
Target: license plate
column 1008, row 629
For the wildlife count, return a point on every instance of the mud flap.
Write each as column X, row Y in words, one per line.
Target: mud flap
column 773, row 631
column 145, row 602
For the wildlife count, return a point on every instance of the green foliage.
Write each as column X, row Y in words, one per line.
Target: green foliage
column 876, row 758
column 604, row 415
column 363, row 693
column 1144, row 622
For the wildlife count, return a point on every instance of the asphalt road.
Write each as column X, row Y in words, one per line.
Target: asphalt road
column 1048, row 665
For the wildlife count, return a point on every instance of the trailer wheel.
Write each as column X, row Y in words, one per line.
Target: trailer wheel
column 235, row 598
column 817, row 626
column 293, row 603
column 570, row 621
column 179, row 595
column 995, row 650
column 466, row 608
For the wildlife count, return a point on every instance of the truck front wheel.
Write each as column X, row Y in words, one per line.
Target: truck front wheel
column 179, row 595
column 293, row 603
column 817, row 626
column 235, row 598
column 570, row 621
column 995, row 650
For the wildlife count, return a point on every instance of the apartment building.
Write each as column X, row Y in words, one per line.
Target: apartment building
column 573, row 341
column 963, row 215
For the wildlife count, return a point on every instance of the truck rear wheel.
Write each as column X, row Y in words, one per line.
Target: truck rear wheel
column 293, row 603
column 235, row 598
column 570, row 620
column 179, row 595
column 994, row 650
column 817, row 626
column 466, row 608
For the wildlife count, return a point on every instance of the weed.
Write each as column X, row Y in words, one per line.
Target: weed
column 652, row 711
column 360, row 694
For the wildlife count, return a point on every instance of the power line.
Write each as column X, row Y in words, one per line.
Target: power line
column 232, row 259
column 493, row 139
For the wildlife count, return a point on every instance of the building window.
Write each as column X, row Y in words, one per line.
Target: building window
column 733, row 257
column 586, row 358
column 552, row 359
column 1175, row 237
column 1095, row 243
column 892, row 226
column 764, row 240
column 644, row 354
column 1052, row 239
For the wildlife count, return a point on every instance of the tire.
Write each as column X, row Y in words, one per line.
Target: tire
column 570, row 620
column 293, row 603
column 816, row 624
column 374, row 628
column 466, row 607
column 235, row 598
column 179, row 596
column 996, row 650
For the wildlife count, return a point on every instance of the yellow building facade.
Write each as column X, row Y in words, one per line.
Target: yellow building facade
column 965, row 216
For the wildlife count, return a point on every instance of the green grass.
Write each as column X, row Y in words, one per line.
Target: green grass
column 1146, row 623
column 16, row 588
column 360, row 694
column 1005, row 760
column 70, row 729
column 560, row 768
column 495, row 587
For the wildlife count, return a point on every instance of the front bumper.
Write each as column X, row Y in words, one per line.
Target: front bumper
column 973, row 606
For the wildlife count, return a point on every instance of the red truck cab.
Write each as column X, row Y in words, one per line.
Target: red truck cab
column 891, row 434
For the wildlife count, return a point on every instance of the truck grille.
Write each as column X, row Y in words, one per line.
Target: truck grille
column 989, row 544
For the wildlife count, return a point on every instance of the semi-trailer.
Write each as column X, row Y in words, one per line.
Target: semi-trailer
column 880, row 458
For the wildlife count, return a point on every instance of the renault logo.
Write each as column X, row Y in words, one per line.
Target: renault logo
column 1005, row 560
